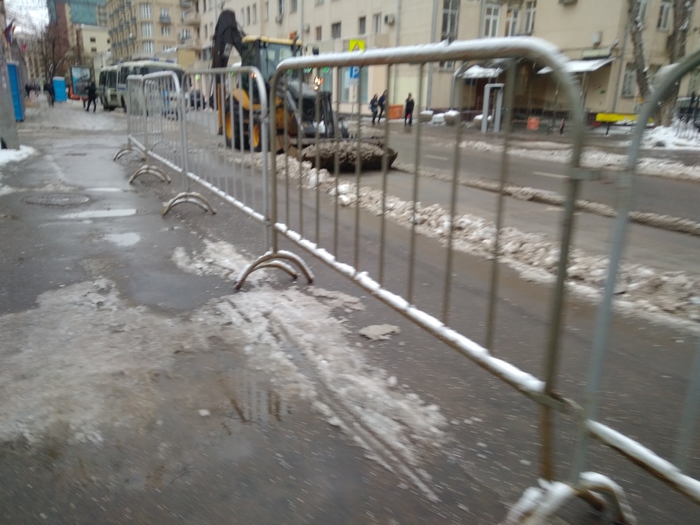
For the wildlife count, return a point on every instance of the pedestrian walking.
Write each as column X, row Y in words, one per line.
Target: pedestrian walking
column 408, row 112
column 561, row 126
column 50, row 93
column 28, row 89
column 92, row 96
column 382, row 104
column 374, row 107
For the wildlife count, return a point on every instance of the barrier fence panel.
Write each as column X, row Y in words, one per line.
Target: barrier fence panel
column 331, row 185
column 308, row 203
column 675, row 470
column 226, row 123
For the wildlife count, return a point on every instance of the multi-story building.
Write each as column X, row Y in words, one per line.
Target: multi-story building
column 30, row 47
column 593, row 33
column 144, row 29
column 91, row 40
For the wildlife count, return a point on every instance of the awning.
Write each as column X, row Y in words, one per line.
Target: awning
column 580, row 66
column 482, row 72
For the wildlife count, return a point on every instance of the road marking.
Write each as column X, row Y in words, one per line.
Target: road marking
column 436, row 157
column 552, row 175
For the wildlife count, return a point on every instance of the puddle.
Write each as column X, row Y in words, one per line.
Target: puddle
column 100, row 214
column 123, row 239
column 252, row 399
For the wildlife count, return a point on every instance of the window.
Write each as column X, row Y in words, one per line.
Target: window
column 319, row 33
column 108, row 41
column 165, row 30
column 185, row 34
column 145, row 11
column 164, row 12
column 377, row 23
column 146, row 30
column 267, row 10
column 530, row 8
column 204, row 5
column 148, row 47
column 247, row 15
column 255, row 13
column 643, row 5
column 93, row 50
column 450, row 16
column 319, row 2
column 293, row 6
column 628, row 81
column 664, row 15
column 512, row 18
column 280, row 7
column 335, row 30
column 92, row 40
column 362, row 25
column 491, row 16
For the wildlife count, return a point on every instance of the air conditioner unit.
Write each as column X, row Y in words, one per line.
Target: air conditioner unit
column 597, row 38
column 279, row 18
column 307, row 28
column 389, row 20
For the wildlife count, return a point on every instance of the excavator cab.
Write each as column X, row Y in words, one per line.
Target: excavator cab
column 266, row 53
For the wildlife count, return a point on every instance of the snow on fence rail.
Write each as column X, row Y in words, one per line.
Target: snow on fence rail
column 204, row 131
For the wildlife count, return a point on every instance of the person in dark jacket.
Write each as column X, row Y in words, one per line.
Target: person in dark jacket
column 92, row 96
column 408, row 113
column 374, row 107
column 50, row 93
column 382, row 104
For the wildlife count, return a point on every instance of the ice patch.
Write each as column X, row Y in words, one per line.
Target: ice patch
column 15, row 155
column 123, row 239
column 379, row 332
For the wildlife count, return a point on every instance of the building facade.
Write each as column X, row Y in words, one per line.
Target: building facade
column 91, row 40
column 593, row 33
column 146, row 29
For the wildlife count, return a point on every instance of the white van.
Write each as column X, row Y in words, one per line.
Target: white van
column 107, row 86
column 143, row 67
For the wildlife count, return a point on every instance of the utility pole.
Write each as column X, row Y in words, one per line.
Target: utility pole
column 8, row 125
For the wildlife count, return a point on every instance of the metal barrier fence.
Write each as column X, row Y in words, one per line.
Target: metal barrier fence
column 673, row 473
column 213, row 130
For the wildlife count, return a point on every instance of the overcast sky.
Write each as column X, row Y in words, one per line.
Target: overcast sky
column 27, row 10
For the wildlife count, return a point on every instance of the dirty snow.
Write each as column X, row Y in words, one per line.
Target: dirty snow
column 85, row 377
column 671, row 137
column 595, row 159
column 660, row 296
column 379, row 332
column 365, row 400
column 15, row 155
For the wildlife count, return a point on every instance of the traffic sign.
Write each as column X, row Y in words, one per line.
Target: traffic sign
column 356, row 45
column 354, row 75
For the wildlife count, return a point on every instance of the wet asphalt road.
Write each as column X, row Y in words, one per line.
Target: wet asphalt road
column 285, row 465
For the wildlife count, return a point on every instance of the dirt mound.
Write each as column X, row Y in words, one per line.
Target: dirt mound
column 370, row 154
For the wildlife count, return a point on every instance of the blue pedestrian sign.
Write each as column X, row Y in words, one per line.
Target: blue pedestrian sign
column 354, row 74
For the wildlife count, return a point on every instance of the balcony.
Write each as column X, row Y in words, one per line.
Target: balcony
column 186, row 4
column 165, row 19
column 191, row 18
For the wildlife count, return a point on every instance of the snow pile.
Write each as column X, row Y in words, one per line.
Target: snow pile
column 595, row 159
column 670, row 137
column 640, row 288
column 15, row 155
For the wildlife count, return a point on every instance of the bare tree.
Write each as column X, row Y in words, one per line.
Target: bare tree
column 677, row 39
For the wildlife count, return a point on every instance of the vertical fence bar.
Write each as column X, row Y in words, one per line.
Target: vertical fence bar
column 447, row 294
column 358, row 169
column 416, row 175
column 493, row 289
column 300, row 146
column 336, row 162
column 385, row 180
column 691, row 412
column 317, row 120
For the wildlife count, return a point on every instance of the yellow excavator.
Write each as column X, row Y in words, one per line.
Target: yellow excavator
column 265, row 54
